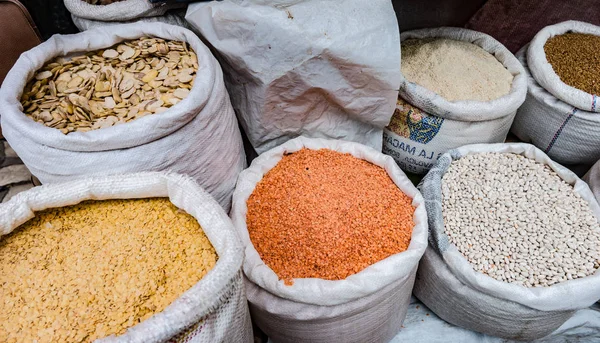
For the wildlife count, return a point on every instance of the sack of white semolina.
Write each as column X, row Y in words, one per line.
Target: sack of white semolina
column 458, row 87
column 173, row 112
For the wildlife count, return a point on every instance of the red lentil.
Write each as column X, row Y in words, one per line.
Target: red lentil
column 324, row 214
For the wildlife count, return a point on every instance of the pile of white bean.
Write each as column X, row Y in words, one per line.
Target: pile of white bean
column 517, row 221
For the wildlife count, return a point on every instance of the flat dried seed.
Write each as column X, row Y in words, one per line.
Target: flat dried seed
column 84, row 89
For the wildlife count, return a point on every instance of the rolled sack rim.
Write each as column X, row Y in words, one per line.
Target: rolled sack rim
column 467, row 110
column 546, row 77
column 134, row 133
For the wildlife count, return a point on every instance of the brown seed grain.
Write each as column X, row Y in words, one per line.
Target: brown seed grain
column 575, row 58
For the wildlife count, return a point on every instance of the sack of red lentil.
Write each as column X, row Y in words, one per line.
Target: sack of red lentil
column 367, row 306
column 213, row 310
column 558, row 118
column 458, row 87
column 514, row 245
column 317, row 68
column 198, row 136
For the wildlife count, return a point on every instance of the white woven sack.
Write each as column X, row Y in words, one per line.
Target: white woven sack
column 369, row 306
column 120, row 10
column 557, row 118
column 426, row 125
column 174, row 17
column 451, row 288
column 214, row 309
column 199, row 136
column 592, row 178
column 317, row 68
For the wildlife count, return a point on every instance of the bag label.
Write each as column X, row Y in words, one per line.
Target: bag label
column 407, row 136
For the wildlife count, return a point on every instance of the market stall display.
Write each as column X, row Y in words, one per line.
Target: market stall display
column 558, row 118
column 198, row 136
column 171, row 275
column 454, row 81
column 513, row 235
column 366, row 298
column 314, row 68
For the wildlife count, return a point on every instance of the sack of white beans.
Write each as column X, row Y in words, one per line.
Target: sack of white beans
column 86, row 15
column 212, row 310
column 425, row 124
column 515, row 241
column 561, row 120
column 198, row 136
column 369, row 306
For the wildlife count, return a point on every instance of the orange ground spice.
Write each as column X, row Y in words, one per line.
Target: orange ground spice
column 324, row 214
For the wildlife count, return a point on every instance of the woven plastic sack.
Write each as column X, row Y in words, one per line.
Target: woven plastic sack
column 199, row 136
column 214, row 309
column 451, row 288
column 173, row 17
column 317, row 68
column 560, row 120
column 592, row 177
column 119, row 11
column 425, row 125
column 369, row 306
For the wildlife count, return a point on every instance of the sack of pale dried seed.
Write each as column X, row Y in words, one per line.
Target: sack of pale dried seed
column 198, row 136
column 447, row 281
column 425, row 124
column 592, row 178
column 559, row 119
column 369, row 306
column 214, row 309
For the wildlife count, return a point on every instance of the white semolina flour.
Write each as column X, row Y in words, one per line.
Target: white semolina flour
column 454, row 69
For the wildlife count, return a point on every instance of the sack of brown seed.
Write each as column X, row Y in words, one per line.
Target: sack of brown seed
column 514, row 245
column 213, row 310
column 558, row 118
column 168, row 99
column 90, row 13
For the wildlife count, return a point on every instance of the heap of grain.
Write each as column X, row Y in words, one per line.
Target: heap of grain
column 453, row 80
column 83, row 272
